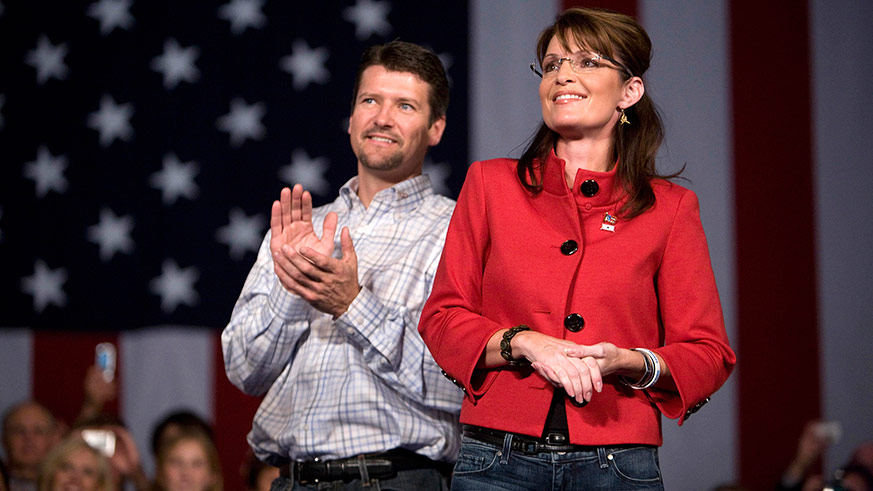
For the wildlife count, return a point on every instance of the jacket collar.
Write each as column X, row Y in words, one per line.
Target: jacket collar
column 553, row 182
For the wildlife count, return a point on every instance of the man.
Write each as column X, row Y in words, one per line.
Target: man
column 29, row 432
column 352, row 393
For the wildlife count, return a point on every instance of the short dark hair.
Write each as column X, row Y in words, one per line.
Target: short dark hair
column 400, row 56
column 184, row 419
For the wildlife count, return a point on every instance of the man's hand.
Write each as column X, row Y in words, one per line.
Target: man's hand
column 303, row 262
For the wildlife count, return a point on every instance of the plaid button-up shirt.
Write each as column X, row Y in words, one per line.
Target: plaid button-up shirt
column 364, row 382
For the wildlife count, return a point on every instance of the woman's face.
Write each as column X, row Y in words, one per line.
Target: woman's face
column 582, row 103
column 79, row 471
column 187, row 468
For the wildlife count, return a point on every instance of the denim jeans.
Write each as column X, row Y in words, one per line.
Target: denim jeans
column 414, row 480
column 484, row 467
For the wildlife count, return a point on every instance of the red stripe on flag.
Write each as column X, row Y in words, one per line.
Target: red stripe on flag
column 233, row 415
column 60, row 361
column 775, row 234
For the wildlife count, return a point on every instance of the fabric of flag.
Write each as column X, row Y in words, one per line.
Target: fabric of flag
column 141, row 144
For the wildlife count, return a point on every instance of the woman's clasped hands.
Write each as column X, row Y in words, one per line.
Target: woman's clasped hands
column 578, row 369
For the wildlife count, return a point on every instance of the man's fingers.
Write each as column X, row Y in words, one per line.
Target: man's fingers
column 297, row 203
column 349, row 254
column 306, row 206
column 328, row 230
column 285, row 199
column 276, row 219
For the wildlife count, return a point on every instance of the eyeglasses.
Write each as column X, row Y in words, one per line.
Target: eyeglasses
column 580, row 62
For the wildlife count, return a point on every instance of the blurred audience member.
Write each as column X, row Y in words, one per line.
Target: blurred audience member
column 98, row 391
column 257, row 475
column 176, row 423
column 4, row 477
column 74, row 465
column 29, row 433
column 123, row 454
column 853, row 477
column 863, row 456
column 730, row 487
column 188, row 462
column 810, row 447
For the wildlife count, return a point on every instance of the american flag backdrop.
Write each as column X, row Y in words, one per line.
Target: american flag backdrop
column 142, row 142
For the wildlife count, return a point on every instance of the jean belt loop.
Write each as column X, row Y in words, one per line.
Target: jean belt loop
column 601, row 456
column 507, row 447
column 362, row 467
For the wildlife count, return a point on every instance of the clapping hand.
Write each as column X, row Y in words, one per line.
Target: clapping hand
column 302, row 261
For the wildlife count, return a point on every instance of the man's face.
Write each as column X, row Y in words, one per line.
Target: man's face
column 389, row 129
column 29, row 434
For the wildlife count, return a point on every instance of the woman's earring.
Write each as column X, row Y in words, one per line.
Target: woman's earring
column 623, row 119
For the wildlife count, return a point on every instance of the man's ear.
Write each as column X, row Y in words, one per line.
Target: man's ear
column 435, row 132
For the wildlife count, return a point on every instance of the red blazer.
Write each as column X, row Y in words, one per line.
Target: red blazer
column 648, row 283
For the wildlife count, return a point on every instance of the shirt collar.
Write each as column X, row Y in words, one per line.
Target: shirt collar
column 401, row 198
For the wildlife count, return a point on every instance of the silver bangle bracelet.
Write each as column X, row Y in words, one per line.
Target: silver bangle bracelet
column 653, row 371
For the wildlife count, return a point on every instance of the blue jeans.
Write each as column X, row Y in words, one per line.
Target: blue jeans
column 485, row 467
column 415, row 480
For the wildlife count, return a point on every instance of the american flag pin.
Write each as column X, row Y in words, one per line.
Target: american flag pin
column 608, row 222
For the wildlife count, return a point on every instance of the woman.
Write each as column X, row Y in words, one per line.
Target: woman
column 575, row 301
column 188, row 462
column 73, row 465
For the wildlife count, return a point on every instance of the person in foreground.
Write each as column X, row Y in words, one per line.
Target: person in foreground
column 73, row 464
column 575, row 301
column 352, row 394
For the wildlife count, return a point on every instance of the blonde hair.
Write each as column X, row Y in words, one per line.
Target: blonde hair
column 59, row 454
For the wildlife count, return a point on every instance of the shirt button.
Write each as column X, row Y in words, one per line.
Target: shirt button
column 569, row 247
column 587, row 206
column 574, row 322
column 589, row 188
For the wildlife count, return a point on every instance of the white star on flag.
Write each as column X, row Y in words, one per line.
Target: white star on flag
column 45, row 286
column 306, row 171
column 242, row 233
column 177, row 64
column 243, row 121
column 175, row 286
column 438, row 173
column 369, row 18
column 48, row 60
column 306, row 65
column 243, row 14
column 47, row 171
column 112, row 121
column 112, row 234
column 112, row 14
column 175, row 179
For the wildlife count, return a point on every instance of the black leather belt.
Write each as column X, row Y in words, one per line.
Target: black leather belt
column 553, row 442
column 378, row 466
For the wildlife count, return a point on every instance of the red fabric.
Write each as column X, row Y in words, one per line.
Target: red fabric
column 777, row 315
column 502, row 266
column 234, row 413
column 60, row 361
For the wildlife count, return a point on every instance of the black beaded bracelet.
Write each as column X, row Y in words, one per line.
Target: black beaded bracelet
column 506, row 346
